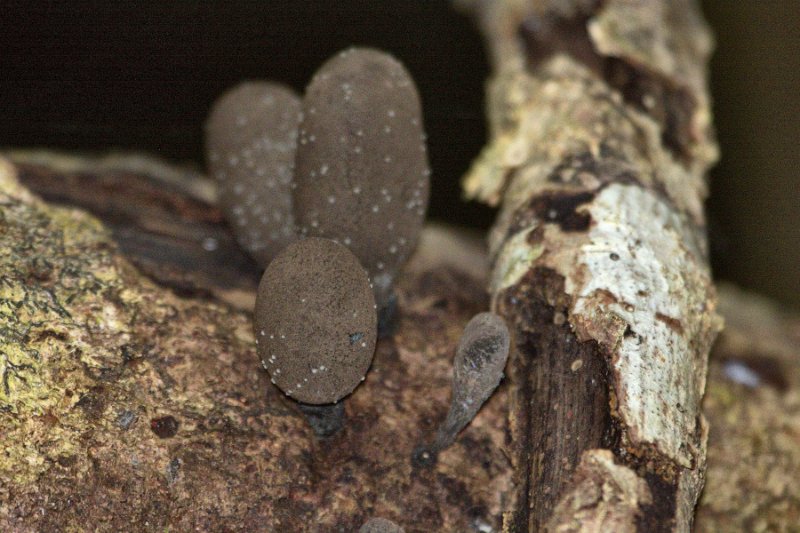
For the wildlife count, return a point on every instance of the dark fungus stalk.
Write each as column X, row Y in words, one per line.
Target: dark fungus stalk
column 315, row 326
column 477, row 370
column 361, row 166
column 251, row 137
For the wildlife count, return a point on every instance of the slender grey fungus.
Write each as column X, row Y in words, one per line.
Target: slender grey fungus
column 361, row 166
column 314, row 299
column 251, row 138
column 477, row 370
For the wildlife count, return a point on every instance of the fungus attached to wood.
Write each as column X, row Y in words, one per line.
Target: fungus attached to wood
column 315, row 321
column 361, row 167
column 251, row 137
column 477, row 370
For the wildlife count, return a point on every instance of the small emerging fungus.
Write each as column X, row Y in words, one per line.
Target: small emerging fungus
column 477, row 370
column 251, row 137
column 315, row 321
column 361, row 166
column 380, row 525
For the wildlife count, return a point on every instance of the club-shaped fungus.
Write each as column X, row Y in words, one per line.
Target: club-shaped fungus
column 477, row 370
column 380, row 525
column 251, row 137
column 361, row 167
column 315, row 321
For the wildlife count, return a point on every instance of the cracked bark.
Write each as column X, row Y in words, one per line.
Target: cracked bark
column 601, row 136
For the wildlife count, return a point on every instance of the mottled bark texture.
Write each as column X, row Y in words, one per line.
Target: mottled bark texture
column 132, row 399
column 752, row 403
column 600, row 139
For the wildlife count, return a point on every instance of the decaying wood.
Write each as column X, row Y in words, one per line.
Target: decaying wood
column 131, row 397
column 136, row 402
column 93, row 398
column 601, row 137
column 753, row 406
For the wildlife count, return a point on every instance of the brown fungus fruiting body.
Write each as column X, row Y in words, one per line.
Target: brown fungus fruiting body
column 315, row 321
column 477, row 370
column 361, row 167
column 251, row 138
column 380, row 525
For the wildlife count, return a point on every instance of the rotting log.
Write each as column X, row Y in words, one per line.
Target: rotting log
column 96, row 458
column 600, row 139
column 132, row 398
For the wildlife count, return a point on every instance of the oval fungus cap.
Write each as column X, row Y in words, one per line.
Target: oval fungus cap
column 251, row 137
column 362, row 168
column 315, row 321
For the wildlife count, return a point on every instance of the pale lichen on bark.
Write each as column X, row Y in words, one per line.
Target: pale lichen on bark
column 601, row 135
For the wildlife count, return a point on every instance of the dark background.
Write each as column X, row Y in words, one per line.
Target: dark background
column 95, row 76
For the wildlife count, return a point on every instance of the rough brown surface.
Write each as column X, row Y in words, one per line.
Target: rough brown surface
column 126, row 406
column 380, row 525
column 604, row 496
column 315, row 321
column 173, row 424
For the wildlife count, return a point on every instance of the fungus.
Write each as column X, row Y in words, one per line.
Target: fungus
column 251, row 137
column 315, row 321
column 380, row 525
column 477, row 370
column 361, row 165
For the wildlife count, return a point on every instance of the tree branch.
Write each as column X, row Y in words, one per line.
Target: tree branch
column 600, row 140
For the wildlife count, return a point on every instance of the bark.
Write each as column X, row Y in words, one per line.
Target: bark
column 601, row 137
column 132, row 398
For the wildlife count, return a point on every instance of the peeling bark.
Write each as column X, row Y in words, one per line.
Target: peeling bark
column 600, row 140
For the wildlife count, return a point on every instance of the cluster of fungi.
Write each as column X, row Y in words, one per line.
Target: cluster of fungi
column 328, row 193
